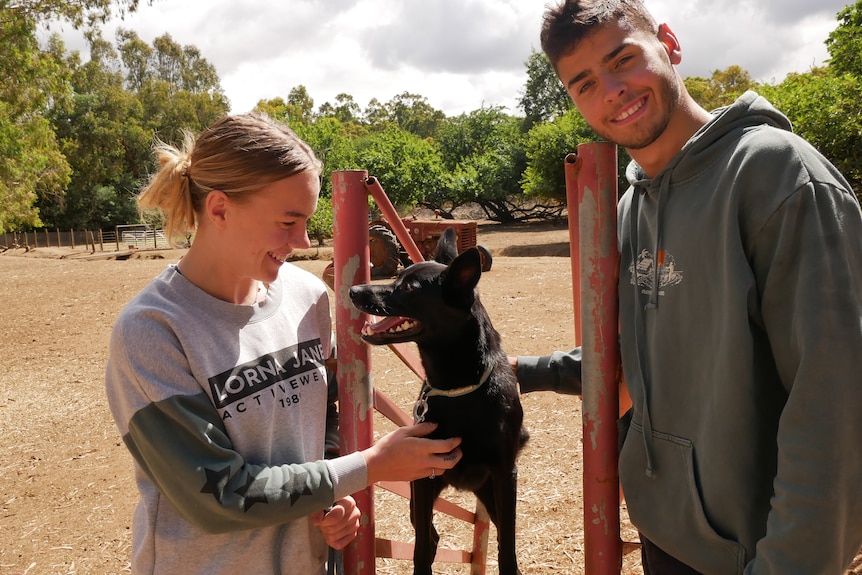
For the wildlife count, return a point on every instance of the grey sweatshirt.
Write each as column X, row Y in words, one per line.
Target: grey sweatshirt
column 740, row 332
column 224, row 408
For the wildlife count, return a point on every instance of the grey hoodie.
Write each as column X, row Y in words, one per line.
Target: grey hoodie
column 740, row 333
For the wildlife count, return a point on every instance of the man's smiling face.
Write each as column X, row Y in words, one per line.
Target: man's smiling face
column 623, row 82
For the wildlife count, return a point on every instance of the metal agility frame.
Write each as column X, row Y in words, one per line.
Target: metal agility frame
column 592, row 192
column 357, row 397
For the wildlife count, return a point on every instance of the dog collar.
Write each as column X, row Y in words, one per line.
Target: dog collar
column 420, row 408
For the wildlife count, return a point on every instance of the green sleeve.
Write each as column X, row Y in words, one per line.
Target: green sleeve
column 559, row 372
column 180, row 444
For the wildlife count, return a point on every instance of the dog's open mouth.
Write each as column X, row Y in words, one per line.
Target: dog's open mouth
column 389, row 328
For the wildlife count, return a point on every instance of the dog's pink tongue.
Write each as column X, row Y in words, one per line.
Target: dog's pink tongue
column 384, row 324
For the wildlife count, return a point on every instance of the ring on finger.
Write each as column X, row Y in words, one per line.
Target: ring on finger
column 433, row 473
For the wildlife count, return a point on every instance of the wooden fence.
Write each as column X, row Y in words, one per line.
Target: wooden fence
column 97, row 240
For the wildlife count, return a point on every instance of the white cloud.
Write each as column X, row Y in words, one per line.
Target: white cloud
column 459, row 54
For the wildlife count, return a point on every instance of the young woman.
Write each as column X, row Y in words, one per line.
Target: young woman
column 216, row 373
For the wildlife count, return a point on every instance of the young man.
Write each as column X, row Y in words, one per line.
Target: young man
column 740, row 312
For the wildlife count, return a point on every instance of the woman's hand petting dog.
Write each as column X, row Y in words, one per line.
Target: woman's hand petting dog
column 405, row 454
column 339, row 524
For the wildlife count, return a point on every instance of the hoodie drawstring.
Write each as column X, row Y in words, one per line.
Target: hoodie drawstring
column 640, row 327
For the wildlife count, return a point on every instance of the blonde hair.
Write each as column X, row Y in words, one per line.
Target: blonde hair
column 237, row 155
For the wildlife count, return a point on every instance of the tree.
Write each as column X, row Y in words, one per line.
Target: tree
column 178, row 88
column 414, row 114
column 31, row 165
column 407, row 166
column 410, row 112
column 345, row 110
column 136, row 55
column 483, row 151
column 721, row 89
column 122, row 99
column 299, row 107
column 544, row 97
column 32, row 82
column 845, row 42
column 102, row 137
column 332, row 144
column 547, row 147
column 824, row 109
column 78, row 12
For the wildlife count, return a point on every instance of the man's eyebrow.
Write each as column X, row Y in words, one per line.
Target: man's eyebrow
column 607, row 58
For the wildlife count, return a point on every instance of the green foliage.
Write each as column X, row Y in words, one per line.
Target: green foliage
column 299, row 106
column 108, row 127
column 484, row 153
column 407, row 166
column 845, row 42
column 544, row 97
column 721, row 89
column 320, row 223
column 31, row 164
column 413, row 113
column 547, row 147
column 331, row 142
column 78, row 12
column 345, row 109
column 824, row 109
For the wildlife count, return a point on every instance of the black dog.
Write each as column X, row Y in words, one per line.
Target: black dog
column 470, row 390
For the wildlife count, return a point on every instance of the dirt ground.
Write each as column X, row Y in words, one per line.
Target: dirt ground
column 66, row 488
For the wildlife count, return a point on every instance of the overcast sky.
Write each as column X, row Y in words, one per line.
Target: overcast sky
column 459, row 54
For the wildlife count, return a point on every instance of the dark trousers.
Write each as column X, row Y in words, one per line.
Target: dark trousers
column 657, row 562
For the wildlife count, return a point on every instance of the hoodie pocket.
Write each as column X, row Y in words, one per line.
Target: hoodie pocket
column 668, row 508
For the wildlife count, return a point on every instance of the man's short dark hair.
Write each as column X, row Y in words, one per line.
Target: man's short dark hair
column 571, row 21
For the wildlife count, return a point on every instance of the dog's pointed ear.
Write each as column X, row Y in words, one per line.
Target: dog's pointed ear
column 462, row 276
column 447, row 247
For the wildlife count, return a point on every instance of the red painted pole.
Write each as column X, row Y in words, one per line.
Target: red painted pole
column 573, row 167
column 599, row 274
column 350, row 260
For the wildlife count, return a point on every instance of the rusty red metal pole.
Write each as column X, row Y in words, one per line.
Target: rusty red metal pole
column 599, row 275
column 350, row 259
column 573, row 167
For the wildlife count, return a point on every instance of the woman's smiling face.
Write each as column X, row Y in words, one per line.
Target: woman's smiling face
column 267, row 225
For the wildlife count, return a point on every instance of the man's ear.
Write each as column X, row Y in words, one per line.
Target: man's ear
column 215, row 207
column 670, row 43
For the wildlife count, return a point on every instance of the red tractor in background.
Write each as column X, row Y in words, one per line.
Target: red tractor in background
column 386, row 253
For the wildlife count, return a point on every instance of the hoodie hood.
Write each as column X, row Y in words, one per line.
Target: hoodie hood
column 749, row 110
column 701, row 151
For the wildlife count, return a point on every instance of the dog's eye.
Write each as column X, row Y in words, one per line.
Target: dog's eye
column 410, row 286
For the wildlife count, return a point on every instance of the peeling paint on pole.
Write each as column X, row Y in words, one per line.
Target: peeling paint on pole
column 351, row 266
column 597, row 311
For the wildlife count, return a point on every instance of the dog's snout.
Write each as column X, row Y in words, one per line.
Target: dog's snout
column 357, row 293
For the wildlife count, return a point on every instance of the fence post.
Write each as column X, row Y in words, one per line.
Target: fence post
column 356, row 406
column 599, row 315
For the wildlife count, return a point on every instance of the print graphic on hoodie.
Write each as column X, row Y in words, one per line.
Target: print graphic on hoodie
column 667, row 275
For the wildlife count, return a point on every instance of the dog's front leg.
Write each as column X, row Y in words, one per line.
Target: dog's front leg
column 506, row 498
column 423, row 493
